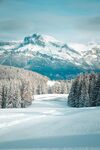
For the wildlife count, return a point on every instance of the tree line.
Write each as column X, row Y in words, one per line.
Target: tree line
column 85, row 91
column 17, row 87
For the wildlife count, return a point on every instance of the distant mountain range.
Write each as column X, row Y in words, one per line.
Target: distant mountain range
column 50, row 57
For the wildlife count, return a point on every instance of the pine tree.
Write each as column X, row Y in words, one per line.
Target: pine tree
column 85, row 91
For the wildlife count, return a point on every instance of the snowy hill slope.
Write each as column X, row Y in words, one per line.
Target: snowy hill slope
column 48, row 56
column 50, row 124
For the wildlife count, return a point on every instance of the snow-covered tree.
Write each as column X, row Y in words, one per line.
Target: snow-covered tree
column 85, row 91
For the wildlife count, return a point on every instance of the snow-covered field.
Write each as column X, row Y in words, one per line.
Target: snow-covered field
column 50, row 124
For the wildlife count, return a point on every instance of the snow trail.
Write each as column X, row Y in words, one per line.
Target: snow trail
column 50, row 124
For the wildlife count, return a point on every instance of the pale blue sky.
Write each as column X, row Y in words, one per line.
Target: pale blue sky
column 67, row 20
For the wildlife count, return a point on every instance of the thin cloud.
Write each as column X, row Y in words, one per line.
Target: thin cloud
column 91, row 24
column 13, row 25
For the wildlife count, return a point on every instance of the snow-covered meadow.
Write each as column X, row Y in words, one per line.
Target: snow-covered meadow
column 50, row 124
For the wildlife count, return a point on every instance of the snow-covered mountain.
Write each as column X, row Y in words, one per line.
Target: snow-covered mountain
column 92, row 55
column 48, row 56
column 78, row 46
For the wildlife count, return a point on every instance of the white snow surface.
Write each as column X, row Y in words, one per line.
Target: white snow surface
column 50, row 124
column 48, row 38
column 78, row 46
column 51, row 83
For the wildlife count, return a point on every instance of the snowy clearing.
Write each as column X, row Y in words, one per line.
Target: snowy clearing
column 50, row 124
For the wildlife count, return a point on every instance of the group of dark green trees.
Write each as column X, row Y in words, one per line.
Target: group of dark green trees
column 85, row 91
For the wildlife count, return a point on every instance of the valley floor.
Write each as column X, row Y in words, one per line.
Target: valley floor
column 50, row 124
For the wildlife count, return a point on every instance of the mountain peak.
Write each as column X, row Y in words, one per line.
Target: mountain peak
column 34, row 39
column 92, row 45
column 50, row 57
column 48, row 38
column 40, row 39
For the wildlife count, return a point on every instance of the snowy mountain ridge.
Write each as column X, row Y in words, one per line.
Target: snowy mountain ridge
column 48, row 56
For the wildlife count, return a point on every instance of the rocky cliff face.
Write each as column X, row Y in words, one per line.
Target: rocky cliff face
column 85, row 91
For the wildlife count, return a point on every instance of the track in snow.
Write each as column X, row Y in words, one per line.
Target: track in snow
column 50, row 124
